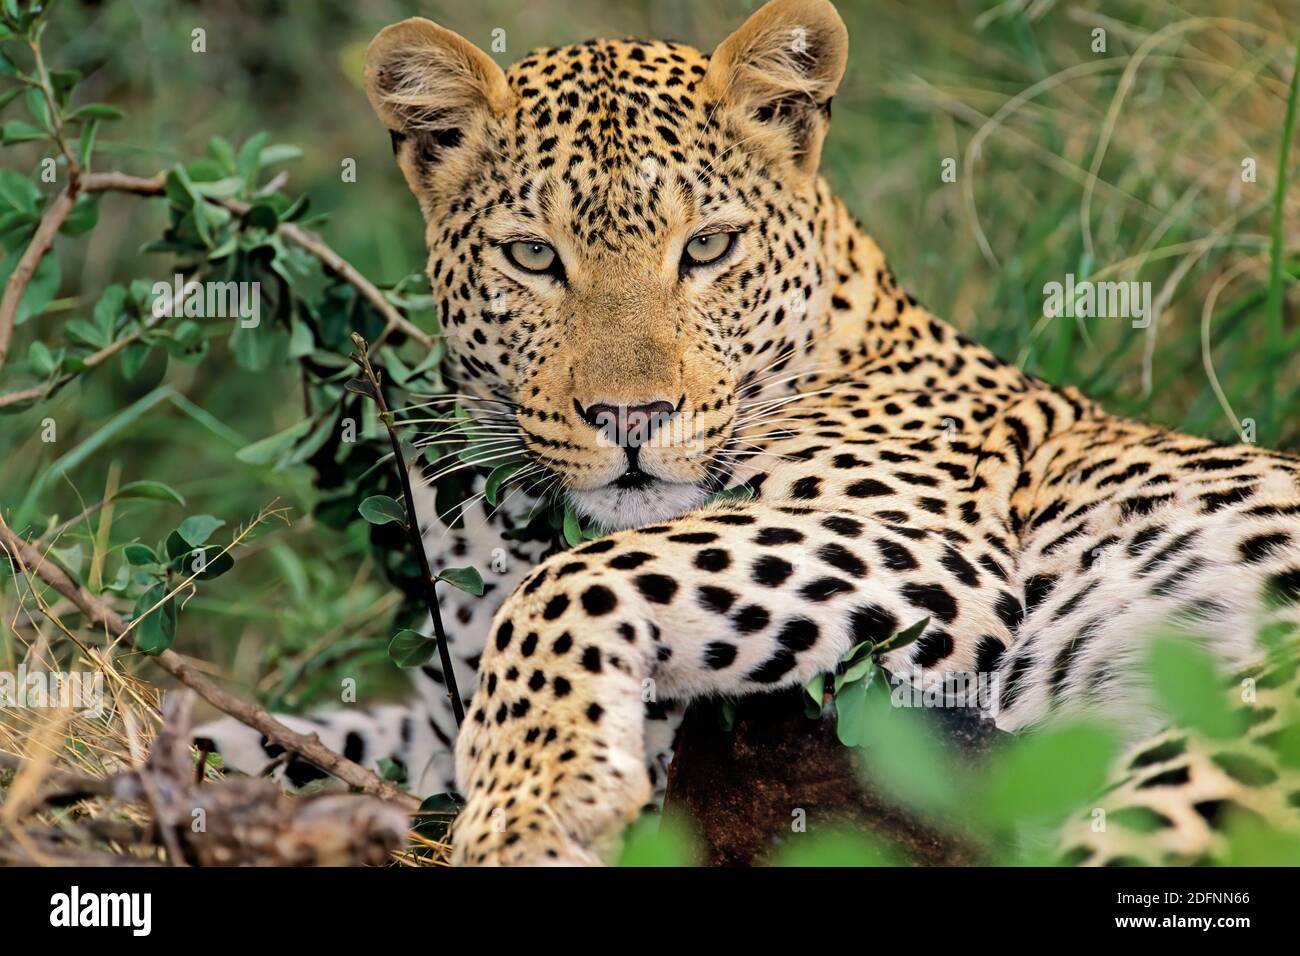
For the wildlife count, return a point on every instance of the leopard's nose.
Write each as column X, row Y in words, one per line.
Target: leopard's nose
column 628, row 426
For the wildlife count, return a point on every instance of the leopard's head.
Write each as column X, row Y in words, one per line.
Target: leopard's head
column 624, row 237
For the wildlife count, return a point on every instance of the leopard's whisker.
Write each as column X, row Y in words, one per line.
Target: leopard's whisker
column 497, row 458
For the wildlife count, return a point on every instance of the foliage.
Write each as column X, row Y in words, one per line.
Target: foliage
column 169, row 432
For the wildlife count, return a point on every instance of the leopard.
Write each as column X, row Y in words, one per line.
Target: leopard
column 647, row 286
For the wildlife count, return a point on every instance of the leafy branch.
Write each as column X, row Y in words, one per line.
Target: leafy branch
column 61, row 208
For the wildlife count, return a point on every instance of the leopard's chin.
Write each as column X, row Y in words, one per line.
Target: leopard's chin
column 617, row 508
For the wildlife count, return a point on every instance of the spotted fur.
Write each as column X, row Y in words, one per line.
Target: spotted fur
column 899, row 471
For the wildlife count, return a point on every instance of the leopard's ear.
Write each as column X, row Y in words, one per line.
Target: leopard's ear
column 782, row 67
column 432, row 88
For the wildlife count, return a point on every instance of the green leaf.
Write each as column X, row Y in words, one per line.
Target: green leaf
column 196, row 529
column 1190, row 689
column 97, row 111
column 381, row 509
column 150, row 491
column 312, row 443
column 901, row 751
column 498, row 477
column 658, row 841
column 109, row 309
column 466, row 579
column 222, row 153
column 202, row 220
column 248, row 161
column 86, row 143
column 903, row 638
column 203, row 171
column 156, row 630
column 360, row 386
column 134, row 357
column 816, row 689
column 84, row 216
column 436, row 813
column 391, row 770
column 858, row 652
column 223, row 249
column 19, row 193
column 296, row 209
column 139, row 555
column 264, row 451
column 255, row 347
column 1043, row 776
column 262, row 215
column 1254, row 841
column 301, row 341
column 209, row 562
column 292, row 569
column 853, row 713
column 179, row 189
column 857, row 662
column 188, row 343
column 280, row 153
column 121, row 581
column 176, row 546
column 18, row 131
column 452, row 492
column 573, row 533
column 38, row 108
column 858, row 670
column 41, row 288
column 86, row 333
column 63, row 82
column 41, row 359
column 411, row 649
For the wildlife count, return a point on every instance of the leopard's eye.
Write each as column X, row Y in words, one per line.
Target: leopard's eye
column 705, row 249
column 531, row 256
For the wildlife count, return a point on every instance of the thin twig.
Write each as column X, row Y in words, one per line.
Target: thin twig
column 56, row 121
column 54, row 217
column 100, row 615
column 362, row 358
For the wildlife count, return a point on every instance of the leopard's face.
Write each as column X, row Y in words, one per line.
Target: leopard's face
column 622, row 240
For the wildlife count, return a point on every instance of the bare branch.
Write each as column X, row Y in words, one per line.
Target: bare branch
column 54, row 217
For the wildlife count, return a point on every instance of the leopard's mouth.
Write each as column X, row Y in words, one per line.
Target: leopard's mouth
column 634, row 479
column 637, row 498
column 652, row 483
